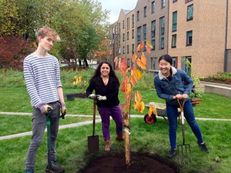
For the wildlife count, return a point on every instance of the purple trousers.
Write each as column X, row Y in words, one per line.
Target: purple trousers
column 116, row 114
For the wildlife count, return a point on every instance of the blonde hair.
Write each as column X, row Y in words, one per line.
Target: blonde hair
column 47, row 31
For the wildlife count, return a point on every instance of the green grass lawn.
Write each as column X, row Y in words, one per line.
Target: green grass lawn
column 21, row 124
column 72, row 147
column 15, row 99
column 72, row 143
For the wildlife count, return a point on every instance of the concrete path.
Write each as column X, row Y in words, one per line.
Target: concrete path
column 73, row 125
column 97, row 116
column 18, row 135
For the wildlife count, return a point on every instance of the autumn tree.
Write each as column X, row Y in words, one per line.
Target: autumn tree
column 81, row 24
column 130, row 77
column 81, row 29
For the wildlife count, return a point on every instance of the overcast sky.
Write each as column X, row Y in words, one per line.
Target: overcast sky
column 114, row 6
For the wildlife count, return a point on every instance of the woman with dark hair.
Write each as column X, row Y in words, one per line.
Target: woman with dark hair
column 172, row 85
column 106, row 86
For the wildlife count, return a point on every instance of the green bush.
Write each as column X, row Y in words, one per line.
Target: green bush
column 220, row 77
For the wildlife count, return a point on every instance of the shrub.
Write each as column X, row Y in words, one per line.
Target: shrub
column 13, row 50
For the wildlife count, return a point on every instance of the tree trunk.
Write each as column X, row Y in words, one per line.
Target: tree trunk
column 80, row 63
column 127, row 145
column 86, row 63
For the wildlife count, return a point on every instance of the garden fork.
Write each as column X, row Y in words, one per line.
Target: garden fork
column 183, row 150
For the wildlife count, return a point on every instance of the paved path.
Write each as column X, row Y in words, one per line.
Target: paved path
column 97, row 116
column 214, row 83
column 18, row 135
column 73, row 125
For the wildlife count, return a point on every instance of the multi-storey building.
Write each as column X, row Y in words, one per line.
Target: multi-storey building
column 198, row 31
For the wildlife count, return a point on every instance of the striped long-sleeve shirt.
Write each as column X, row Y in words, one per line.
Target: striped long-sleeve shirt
column 42, row 78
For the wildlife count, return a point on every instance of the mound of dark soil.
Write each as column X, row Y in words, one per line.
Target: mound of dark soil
column 140, row 163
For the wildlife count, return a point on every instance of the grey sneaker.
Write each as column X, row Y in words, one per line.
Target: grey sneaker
column 203, row 147
column 54, row 167
column 171, row 153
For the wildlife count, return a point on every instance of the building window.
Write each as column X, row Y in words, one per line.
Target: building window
column 127, row 49
column 144, row 32
column 137, row 16
column 138, row 35
column 153, row 7
column 162, row 31
column 128, row 23
column 163, row 3
column 174, row 62
column 127, row 35
column 185, row 64
column 145, row 11
column 133, row 48
column 186, row 1
column 153, row 29
column 174, row 41
column 123, row 24
column 189, row 35
column 133, row 34
column 190, row 12
column 174, row 21
column 123, row 50
column 133, row 21
column 145, row 35
column 154, row 63
column 162, row 43
column 153, row 44
column 153, row 34
column 123, row 37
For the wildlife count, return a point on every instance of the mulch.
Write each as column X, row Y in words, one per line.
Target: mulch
column 140, row 163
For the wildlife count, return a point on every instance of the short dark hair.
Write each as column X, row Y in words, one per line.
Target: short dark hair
column 166, row 57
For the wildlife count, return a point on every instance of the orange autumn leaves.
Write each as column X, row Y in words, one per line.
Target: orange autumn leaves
column 132, row 75
column 139, row 104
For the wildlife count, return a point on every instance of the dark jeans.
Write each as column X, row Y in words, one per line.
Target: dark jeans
column 38, row 128
column 172, row 114
column 116, row 114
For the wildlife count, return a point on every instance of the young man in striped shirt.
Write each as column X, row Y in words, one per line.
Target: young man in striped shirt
column 42, row 78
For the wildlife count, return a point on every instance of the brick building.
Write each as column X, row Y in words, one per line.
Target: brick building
column 195, row 30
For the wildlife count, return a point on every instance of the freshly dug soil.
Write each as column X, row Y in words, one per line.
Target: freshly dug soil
column 140, row 163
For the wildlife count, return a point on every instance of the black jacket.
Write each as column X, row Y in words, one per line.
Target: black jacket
column 111, row 91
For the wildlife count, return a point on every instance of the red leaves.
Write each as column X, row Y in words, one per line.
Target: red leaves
column 126, row 86
column 139, row 63
column 152, row 109
column 148, row 47
column 142, row 62
column 13, row 50
column 139, row 104
column 123, row 68
column 135, row 76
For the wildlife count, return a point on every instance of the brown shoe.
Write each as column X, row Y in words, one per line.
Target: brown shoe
column 119, row 138
column 107, row 146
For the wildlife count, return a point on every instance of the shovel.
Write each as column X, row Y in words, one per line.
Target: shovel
column 183, row 150
column 93, row 141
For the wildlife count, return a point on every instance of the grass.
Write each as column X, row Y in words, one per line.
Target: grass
column 23, row 123
column 72, row 143
column 72, row 147
column 15, row 99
